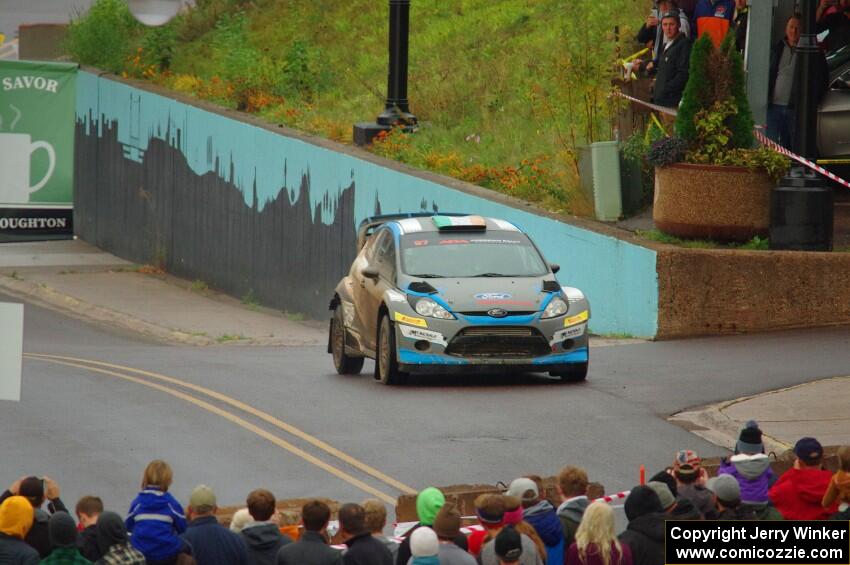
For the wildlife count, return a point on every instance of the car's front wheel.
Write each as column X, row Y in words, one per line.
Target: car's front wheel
column 343, row 363
column 386, row 362
column 575, row 374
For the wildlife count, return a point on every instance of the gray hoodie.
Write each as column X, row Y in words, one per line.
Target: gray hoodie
column 570, row 512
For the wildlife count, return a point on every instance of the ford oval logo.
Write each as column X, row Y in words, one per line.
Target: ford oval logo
column 497, row 313
column 492, row 296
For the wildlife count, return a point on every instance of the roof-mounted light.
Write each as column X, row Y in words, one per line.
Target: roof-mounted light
column 459, row 223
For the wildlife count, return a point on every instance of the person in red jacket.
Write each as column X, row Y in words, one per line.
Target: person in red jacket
column 799, row 491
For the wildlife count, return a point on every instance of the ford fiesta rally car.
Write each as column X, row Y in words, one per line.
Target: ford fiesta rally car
column 454, row 293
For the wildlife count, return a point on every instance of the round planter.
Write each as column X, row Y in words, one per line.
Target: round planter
column 712, row 202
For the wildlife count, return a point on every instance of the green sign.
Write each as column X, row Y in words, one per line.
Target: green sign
column 36, row 135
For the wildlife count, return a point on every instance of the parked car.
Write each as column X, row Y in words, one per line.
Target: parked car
column 834, row 115
column 454, row 293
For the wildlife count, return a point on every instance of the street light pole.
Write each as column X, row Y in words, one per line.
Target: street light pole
column 801, row 207
column 396, row 110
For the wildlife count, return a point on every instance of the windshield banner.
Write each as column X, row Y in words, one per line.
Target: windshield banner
column 36, row 150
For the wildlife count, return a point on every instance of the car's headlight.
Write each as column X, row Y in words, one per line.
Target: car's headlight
column 429, row 308
column 556, row 307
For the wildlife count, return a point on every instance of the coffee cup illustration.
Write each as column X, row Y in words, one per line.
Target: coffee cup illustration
column 16, row 151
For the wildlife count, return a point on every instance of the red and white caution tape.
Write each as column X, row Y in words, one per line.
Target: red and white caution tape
column 614, row 497
column 759, row 136
column 656, row 107
column 802, row 160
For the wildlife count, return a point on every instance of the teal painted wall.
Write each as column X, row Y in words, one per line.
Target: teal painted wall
column 618, row 277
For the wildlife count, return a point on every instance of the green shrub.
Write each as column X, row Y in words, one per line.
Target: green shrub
column 159, row 45
column 741, row 123
column 696, row 95
column 304, row 74
column 104, row 36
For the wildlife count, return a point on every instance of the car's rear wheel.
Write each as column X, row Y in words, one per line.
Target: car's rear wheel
column 386, row 362
column 575, row 374
column 343, row 363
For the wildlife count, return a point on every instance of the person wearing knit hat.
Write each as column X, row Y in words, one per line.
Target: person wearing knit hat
column 690, row 481
column 16, row 518
column 428, row 503
column 749, row 440
column 645, row 532
column 531, row 554
column 114, row 543
column 751, row 468
column 513, row 517
column 799, row 492
column 424, row 547
column 447, row 527
column 490, row 510
column 239, row 520
column 63, row 539
column 664, row 495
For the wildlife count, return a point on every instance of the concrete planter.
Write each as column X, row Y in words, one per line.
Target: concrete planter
column 712, row 202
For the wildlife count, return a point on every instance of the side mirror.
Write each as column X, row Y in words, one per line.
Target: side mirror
column 370, row 273
column 555, row 267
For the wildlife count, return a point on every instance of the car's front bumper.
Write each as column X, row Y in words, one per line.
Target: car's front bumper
column 562, row 343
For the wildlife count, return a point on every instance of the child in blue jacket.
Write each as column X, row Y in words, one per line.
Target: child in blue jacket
column 156, row 519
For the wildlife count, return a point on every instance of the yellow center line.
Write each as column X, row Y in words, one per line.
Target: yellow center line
column 236, row 420
column 265, row 416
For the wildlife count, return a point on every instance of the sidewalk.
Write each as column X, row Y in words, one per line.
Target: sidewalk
column 817, row 409
column 85, row 282
column 82, row 281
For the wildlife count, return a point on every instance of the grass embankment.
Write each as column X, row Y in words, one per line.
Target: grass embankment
column 505, row 91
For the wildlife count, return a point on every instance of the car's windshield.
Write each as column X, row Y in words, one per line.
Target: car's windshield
column 464, row 254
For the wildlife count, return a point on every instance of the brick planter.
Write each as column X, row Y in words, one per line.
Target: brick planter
column 712, row 202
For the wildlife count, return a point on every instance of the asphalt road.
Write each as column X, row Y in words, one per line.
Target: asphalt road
column 95, row 431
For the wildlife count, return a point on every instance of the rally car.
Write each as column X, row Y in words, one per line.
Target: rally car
column 454, row 293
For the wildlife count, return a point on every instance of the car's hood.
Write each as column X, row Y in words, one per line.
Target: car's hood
column 478, row 295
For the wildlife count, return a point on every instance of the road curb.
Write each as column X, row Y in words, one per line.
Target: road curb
column 45, row 296
column 712, row 424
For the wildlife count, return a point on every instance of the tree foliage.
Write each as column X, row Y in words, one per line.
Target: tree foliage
column 101, row 36
column 716, row 81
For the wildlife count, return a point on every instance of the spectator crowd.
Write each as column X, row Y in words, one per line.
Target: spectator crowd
column 519, row 526
column 672, row 26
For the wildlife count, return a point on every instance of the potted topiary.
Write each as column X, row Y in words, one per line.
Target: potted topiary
column 710, row 181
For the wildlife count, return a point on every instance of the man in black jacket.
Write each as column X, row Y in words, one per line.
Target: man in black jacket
column 671, row 66
column 363, row 549
column 36, row 490
column 312, row 547
column 645, row 532
column 212, row 543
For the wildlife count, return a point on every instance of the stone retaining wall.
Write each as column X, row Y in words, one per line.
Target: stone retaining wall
column 710, row 292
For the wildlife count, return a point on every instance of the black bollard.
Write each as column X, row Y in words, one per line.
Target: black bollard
column 801, row 215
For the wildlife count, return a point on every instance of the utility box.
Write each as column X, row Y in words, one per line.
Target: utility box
column 599, row 171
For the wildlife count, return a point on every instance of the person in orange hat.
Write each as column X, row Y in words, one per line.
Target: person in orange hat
column 16, row 517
